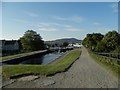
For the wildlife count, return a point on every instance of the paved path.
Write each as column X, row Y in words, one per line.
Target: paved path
column 84, row 73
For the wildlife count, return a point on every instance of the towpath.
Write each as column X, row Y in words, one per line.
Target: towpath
column 84, row 73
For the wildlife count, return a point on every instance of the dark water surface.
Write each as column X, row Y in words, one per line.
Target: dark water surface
column 43, row 59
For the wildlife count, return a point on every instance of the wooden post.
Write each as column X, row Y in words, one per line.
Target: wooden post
column 118, row 56
column 109, row 55
column 118, row 62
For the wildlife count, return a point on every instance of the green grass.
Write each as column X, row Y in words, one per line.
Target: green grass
column 112, row 65
column 17, row 55
column 45, row 70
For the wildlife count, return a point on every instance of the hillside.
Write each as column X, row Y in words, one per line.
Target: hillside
column 69, row 40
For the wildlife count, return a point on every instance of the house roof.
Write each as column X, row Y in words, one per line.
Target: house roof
column 9, row 42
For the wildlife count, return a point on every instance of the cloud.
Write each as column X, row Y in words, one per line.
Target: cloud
column 59, row 18
column 104, row 30
column 114, row 7
column 96, row 23
column 48, row 29
column 72, row 29
column 64, row 25
column 53, row 24
column 32, row 14
column 21, row 21
column 44, row 24
column 74, row 18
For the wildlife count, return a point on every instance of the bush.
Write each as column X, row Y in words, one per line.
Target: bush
column 101, row 47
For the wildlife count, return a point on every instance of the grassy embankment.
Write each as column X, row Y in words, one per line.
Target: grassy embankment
column 112, row 65
column 17, row 55
column 45, row 70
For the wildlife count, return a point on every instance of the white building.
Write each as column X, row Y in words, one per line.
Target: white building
column 9, row 45
column 76, row 45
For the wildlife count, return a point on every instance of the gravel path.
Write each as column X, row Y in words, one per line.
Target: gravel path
column 84, row 73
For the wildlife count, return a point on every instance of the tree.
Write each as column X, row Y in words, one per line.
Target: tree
column 65, row 44
column 20, row 44
column 99, row 43
column 32, row 41
column 101, row 47
column 91, row 40
column 53, row 45
column 112, row 40
column 56, row 44
column 117, row 50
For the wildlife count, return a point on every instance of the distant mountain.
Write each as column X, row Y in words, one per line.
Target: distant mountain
column 69, row 40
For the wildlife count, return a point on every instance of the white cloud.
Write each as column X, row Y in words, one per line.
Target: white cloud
column 72, row 29
column 74, row 18
column 48, row 29
column 65, row 25
column 53, row 24
column 21, row 21
column 59, row 18
column 32, row 14
column 96, row 23
column 114, row 7
column 104, row 30
column 44, row 24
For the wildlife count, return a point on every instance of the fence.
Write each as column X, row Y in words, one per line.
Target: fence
column 115, row 56
column 111, row 56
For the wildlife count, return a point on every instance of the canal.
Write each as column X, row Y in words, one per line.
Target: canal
column 43, row 59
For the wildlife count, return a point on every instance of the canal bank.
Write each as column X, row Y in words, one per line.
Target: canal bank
column 43, row 59
column 45, row 70
column 19, row 59
column 36, row 57
column 59, row 58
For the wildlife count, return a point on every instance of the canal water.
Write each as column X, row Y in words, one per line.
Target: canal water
column 44, row 59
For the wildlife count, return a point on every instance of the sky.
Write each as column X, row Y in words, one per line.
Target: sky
column 55, row 20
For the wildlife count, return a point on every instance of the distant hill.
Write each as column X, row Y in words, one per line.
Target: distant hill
column 69, row 40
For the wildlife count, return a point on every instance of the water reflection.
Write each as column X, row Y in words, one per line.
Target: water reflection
column 44, row 59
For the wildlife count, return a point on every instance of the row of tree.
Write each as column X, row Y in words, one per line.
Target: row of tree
column 33, row 41
column 110, row 42
column 64, row 44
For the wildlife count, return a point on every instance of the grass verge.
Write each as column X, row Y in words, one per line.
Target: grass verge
column 45, row 70
column 17, row 55
column 112, row 65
